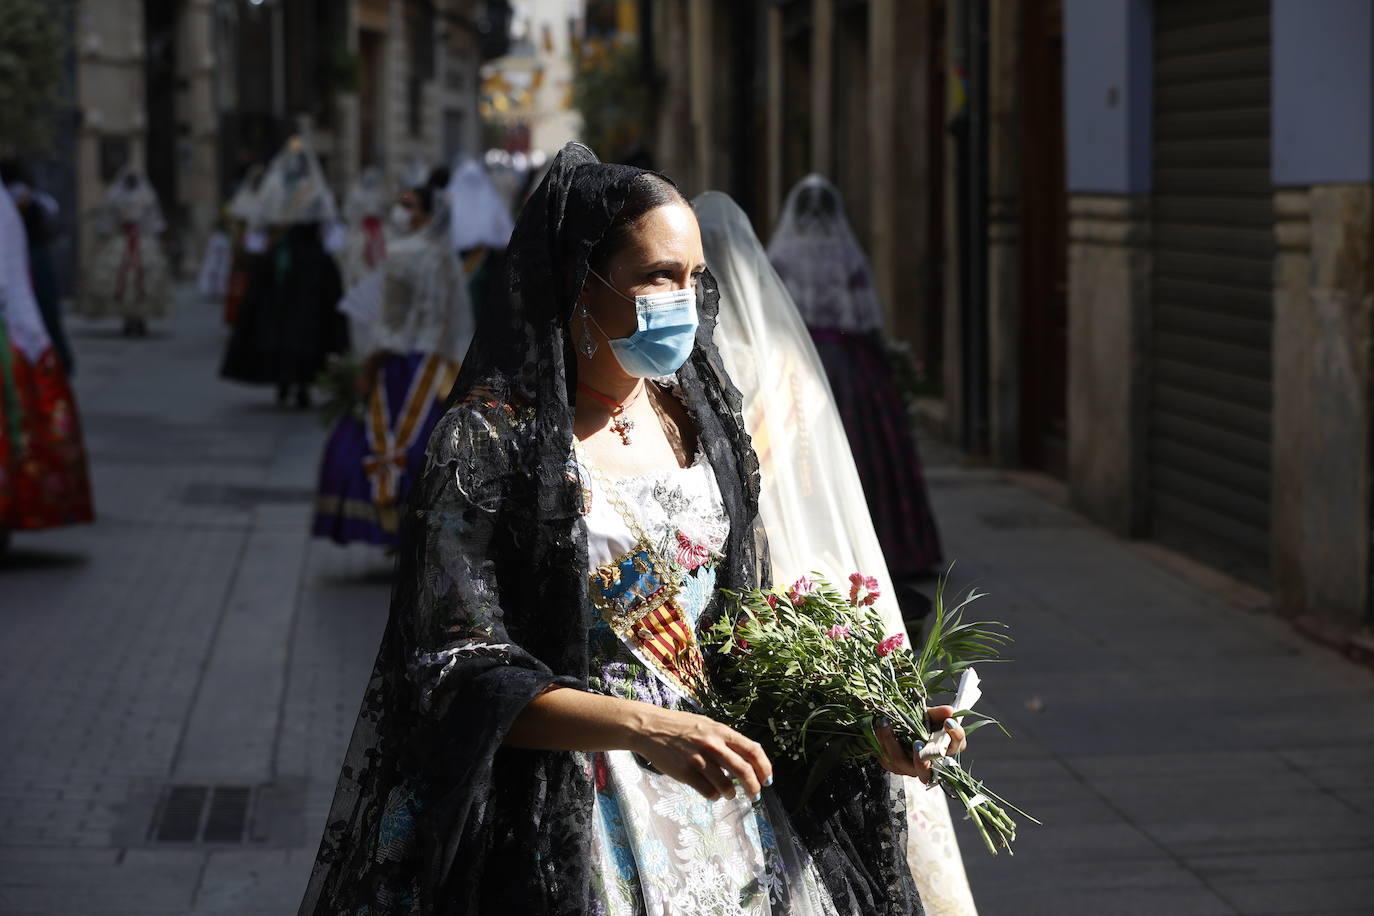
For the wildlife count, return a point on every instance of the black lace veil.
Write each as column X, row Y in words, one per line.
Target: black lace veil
column 489, row 609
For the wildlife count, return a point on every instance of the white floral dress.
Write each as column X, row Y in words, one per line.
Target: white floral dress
column 658, row 846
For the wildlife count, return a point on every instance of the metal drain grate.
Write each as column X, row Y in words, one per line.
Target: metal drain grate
column 191, row 811
column 202, row 814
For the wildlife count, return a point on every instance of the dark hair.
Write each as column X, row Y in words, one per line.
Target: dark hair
column 648, row 191
column 425, row 195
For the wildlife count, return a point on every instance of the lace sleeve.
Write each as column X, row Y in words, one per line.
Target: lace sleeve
column 459, row 662
column 459, row 644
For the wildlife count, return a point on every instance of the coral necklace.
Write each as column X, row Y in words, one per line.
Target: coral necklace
column 620, row 424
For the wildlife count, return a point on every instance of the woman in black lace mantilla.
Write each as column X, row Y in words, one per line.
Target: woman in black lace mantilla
column 527, row 742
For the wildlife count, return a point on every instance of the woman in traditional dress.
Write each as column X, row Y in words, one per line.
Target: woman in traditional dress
column 418, row 336
column 482, row 226
column 528, row 742
column 811, row 502
column 129, row 278
column 248, row 244
column 818, row 258
column 43, row 477
column 288, row 324
column 370, row 213
column 217, row 262
column 365, row 207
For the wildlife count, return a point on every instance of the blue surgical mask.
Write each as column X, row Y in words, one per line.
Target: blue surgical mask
column 665, row 334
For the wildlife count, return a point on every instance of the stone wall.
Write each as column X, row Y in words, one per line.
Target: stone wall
column 1109, row 297
column 110, row 93
column 1323, row 319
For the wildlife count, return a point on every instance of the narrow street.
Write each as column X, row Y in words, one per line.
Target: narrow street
column 1187, row 752
column 194, row 636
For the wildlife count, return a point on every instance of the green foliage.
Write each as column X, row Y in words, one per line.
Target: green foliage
column 32, row 46
column 811, row 674
column 610, row 93
column 339, row 382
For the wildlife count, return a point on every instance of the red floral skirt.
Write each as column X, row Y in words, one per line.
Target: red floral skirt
column 43, row 477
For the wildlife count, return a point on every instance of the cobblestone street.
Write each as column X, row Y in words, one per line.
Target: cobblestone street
column 1188, row 752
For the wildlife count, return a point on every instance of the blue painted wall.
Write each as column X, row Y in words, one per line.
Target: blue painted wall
column 1108, row 103
column 1323, row 115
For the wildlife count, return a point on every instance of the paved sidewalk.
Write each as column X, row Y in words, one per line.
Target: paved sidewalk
column 1188, row 756
column 1187, row 752
column 194, row 635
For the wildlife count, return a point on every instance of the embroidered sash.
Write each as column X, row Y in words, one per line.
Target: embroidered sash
column 637, row 597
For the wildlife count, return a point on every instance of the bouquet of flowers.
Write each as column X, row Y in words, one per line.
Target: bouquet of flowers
column 811, row 673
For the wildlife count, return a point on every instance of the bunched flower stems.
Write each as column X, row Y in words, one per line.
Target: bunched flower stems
column 813, row 675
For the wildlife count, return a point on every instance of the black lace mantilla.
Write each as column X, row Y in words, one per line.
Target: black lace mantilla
column 432, row 815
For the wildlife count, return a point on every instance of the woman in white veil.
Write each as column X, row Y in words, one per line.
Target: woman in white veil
column 812, row 505
column 482, row 227
column 247, row 244
column 129, row 277
column 365, row 208
column 287, row 326
column 824, row 268
column 482, row 219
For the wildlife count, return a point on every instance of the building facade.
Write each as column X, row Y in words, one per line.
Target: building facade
column 1221, row 265
column 1130, row 239
column 527, row 92
column 750, row 97
column 195, row 91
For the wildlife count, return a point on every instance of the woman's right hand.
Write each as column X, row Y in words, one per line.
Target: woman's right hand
column 700, row 751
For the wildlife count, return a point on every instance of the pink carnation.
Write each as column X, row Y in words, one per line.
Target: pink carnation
column 868, row 585
column 800, row 590
column 773, row 601
column 690, row 555
column 838, row 631
column 891, row 644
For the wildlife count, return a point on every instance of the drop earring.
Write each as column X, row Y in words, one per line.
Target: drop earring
column 588, row 343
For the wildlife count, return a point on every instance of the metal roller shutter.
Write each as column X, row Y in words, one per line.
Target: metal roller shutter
column 1209, row 351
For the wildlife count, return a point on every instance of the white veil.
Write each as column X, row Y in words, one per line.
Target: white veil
column 815, row 252
column 812, row 505
column 244, row 201
column 367, row 196
column 485, row 220
column 130, row 198
column 294, row 189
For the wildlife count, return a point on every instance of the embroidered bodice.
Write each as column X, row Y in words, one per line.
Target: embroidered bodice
column 682, row 505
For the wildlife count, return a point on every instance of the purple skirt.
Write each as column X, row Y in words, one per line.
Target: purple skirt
column 884, row 447
column 346, row 508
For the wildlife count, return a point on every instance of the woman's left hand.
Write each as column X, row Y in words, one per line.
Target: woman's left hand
column 903, row 762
